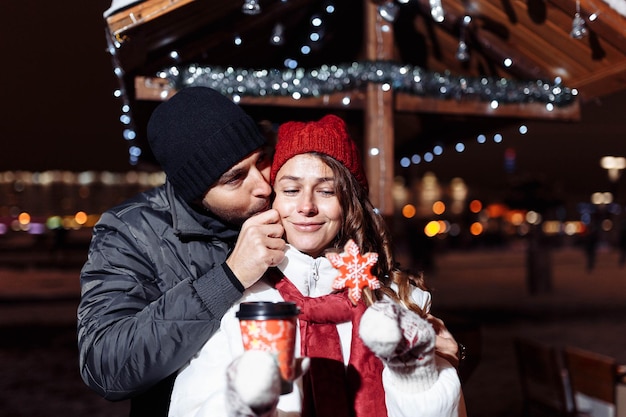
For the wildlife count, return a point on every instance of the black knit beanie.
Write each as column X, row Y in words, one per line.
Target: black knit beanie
column 198, row 135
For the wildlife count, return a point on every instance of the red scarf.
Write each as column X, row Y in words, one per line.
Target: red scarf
column 331, row 390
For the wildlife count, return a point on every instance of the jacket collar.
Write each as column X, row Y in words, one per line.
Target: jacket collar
column 190, row 223
column 312, row 276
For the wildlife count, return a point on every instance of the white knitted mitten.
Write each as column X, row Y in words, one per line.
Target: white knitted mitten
column 253, row 385
column 404, row 341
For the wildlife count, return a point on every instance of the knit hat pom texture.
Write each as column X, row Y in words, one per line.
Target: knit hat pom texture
column 328, row 136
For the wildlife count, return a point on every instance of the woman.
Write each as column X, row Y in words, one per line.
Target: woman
column 321, row 197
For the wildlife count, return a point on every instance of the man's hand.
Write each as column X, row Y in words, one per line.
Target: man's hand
column 445, row 344
column 259, row 246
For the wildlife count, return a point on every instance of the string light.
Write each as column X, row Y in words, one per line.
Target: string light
column 277, row 37
column 578, row 24
column 388, row 11
column 129, row 131
column 462, row 52
column 436, row 10
column 251, row 7
column 297, row 82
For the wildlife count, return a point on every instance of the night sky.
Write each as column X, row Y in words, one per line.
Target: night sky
column 59, row 111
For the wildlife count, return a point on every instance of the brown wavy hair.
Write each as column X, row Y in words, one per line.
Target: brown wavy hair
column 370, row 232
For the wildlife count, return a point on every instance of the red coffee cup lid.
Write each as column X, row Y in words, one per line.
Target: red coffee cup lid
column 264, row 310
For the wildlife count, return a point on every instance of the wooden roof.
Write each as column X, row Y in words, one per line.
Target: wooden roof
column 534, row 34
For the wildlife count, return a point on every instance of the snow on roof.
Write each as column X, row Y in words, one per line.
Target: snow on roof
column 117, row 5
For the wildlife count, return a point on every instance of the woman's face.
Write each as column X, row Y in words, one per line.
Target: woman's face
column 307, row 204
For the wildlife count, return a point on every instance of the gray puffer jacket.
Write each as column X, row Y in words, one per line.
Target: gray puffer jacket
column 153, row 291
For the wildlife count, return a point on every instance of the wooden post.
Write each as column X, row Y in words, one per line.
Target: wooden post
column 378, row 114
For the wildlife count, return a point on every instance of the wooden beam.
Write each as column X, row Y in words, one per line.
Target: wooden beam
column 379, row 112
column 139, row 14
column 545, row 45
column 604, row 82
column 608, row 23
column 153, row 89
column 340, row 101
column 158, row 89
column 535, row 111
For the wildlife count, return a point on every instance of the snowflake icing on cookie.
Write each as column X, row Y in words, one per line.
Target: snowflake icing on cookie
column 354, row 270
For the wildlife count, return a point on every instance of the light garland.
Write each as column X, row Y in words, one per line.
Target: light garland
column 578, row 24
column 327, row 79
column 297, row 82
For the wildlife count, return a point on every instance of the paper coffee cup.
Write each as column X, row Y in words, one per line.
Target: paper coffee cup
column 271, row 327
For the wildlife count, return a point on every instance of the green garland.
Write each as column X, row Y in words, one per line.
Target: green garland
column 328, row 79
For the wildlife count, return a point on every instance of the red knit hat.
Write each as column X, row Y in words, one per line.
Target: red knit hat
column 327, row 136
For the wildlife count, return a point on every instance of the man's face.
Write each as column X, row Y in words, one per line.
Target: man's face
column 242, row 191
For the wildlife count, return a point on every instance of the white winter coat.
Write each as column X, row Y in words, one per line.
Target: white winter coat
column 200, row 387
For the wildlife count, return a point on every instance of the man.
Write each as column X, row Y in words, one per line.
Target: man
column 165, row 266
